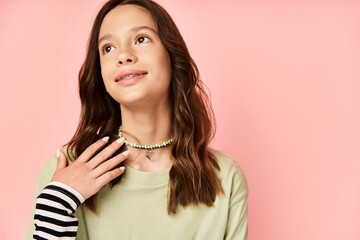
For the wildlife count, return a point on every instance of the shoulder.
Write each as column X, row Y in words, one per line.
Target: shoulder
column 49, row 167
column 231, row 175
column 228, row 165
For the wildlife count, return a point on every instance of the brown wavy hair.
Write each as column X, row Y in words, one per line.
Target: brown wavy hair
column 193, row 178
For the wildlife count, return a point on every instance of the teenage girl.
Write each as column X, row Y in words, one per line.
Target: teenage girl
column 139, row 165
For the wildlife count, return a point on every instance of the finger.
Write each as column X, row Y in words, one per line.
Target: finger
column 92, row 149
column 61, row 160
column 106, row 153
column 108, row 176
column 109, row 164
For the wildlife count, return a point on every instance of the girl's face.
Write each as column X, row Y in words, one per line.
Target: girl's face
column 129, row 43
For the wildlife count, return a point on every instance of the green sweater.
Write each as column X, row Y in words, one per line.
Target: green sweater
column 136, row 208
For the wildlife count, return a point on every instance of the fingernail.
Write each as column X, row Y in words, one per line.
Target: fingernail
column 125, row 153
column 120, row 140
column 122, row 168
column 58, row 153
column 105, row 139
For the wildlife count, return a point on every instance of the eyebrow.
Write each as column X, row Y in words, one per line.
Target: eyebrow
column 135, row 29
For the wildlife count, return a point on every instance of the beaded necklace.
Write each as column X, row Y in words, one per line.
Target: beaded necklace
column 146, row 146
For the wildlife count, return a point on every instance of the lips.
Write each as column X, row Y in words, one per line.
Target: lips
column 129, row 74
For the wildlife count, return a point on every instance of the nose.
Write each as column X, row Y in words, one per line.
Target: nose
column 127, row 60
column 126, row 56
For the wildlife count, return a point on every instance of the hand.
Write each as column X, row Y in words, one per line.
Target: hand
column 86, row 175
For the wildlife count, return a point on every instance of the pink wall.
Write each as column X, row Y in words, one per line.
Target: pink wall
column 285, row 84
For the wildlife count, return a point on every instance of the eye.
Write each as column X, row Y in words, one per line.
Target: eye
column 141, row 39
column 106, row 49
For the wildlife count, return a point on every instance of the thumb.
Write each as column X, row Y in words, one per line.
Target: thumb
column 61, row 160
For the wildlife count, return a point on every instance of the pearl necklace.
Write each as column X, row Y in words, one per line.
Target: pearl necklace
column 149, row 147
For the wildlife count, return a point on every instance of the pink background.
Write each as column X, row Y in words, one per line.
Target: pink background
column 285, row 84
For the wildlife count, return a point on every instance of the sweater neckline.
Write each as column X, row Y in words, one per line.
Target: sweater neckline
column 146, row 178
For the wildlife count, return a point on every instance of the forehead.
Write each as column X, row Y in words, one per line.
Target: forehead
column 125, row 17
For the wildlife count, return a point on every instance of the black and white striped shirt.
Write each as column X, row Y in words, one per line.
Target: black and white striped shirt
column 53, row 217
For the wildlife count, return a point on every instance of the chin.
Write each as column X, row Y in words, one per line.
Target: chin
column 139, row 96
column 132, row 100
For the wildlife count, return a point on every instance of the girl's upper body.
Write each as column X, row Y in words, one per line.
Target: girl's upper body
column 138, row 76
column 135, row 208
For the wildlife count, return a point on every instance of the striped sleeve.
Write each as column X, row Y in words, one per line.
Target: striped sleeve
column 53, row 214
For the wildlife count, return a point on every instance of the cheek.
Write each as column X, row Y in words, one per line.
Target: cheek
column 164, row 62
column 105, row 72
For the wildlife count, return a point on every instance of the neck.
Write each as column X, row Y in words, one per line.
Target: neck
column 148, row 125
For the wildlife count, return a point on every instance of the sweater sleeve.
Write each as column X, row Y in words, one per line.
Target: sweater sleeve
column 237, row 224
column 53, row 217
